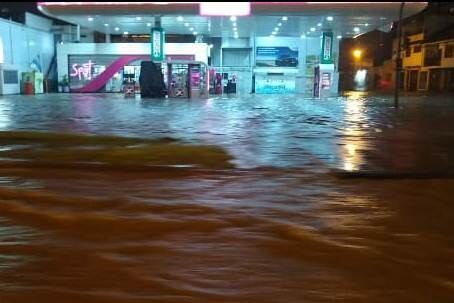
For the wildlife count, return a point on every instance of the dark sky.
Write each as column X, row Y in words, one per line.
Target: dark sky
column 16, row 9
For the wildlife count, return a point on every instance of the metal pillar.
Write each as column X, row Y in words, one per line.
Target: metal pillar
column 78, row 33
column 398, row 57
column 157, row 21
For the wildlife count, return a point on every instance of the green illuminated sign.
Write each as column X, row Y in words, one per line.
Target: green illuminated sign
column 327, row 48
column 157, row 44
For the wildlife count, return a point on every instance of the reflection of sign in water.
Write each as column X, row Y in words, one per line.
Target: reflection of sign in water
column 327, row 48
column 157, row 44
column 316, row 91
column 276, row 56
column 82, row 71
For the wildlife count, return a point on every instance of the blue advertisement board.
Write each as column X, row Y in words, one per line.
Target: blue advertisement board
column 276, row 56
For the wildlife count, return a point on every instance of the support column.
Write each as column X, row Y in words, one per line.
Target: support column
column 78, row 33
column 107, row 38
column 157, row 21
column 398, row 57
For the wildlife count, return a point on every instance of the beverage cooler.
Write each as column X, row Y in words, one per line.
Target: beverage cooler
column 187, row 79
column 32, row 83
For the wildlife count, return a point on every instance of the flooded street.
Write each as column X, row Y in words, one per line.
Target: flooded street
column 252, row 199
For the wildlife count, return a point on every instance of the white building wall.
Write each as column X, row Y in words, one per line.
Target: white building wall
column 199, row 50
column 22, row 44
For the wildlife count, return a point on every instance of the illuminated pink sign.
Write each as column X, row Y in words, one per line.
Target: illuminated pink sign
column 225, row 9
column 82, row 71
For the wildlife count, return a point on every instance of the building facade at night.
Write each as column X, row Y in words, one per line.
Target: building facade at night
column 426, row 53
column 264, row 48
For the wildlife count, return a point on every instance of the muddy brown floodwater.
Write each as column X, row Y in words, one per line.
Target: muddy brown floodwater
column 252, row 199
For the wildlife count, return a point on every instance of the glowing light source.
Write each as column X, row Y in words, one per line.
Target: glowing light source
column 125, row 33
column 312, row 29
column 285, row 18
column 233, row 18
column 329, row 18
column 319, row 24
column 117, row 29
column 186, row 24
column 357, row 53
column 191, row 29
column 303, row 36
column 225, row 9
column 106, row 24
column 180, row 18
column 356, row 29
column 90, row 19
column 148, row 24
column 339, row 37
column 138, row 18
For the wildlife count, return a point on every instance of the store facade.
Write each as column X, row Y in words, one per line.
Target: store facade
column 105, row 67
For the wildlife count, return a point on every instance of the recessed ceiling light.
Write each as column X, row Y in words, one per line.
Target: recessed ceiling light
column 106, row 24
column 194, row 33
column 367, row 24
column 276, row 29
column 233, row 18
column 303, row 36
column 186, row 24
column 148, row 24
column 339, row 37
column 312, row 29
column 117, row 28
column 234, row 24
column 125, row 33
column 138, row 18
column 356, row 29
column 279, row 24
column 90, row 19
column 285, row 18
column 191, row 29
column 329, row 18
column 319, row 24
column 180, row 18
column 235, row 29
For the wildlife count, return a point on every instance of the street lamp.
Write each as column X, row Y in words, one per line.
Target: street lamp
column 357, row 54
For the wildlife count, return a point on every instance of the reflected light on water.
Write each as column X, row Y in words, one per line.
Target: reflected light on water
column 353, row 133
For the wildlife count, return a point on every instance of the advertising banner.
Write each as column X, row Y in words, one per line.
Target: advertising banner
column 327, row 48
column 157, row 44
column 276, row 56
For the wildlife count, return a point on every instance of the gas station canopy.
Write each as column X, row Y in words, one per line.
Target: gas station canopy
column 217, row 19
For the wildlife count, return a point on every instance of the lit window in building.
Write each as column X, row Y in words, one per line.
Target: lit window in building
column 449, row 51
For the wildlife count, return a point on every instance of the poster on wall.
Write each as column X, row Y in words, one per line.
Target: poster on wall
column 276, row 57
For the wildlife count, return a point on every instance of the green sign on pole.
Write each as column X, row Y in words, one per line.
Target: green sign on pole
column 327, row 48
column 157, row 44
